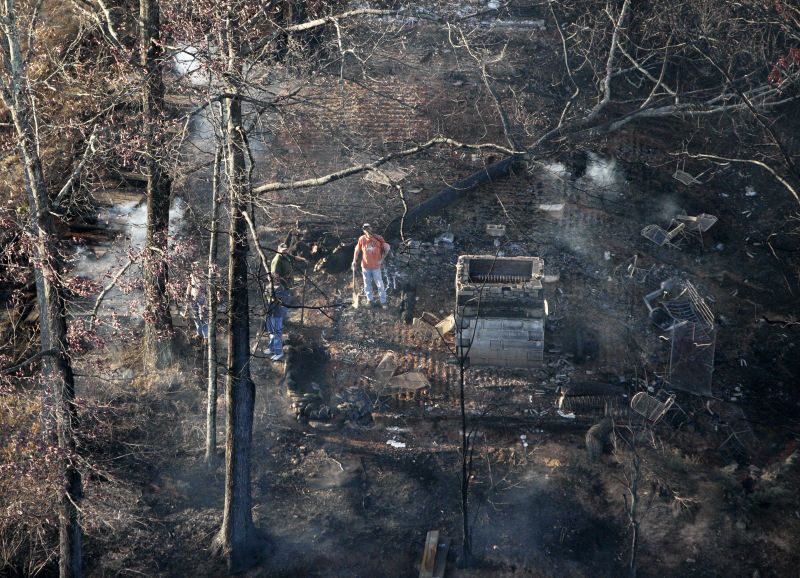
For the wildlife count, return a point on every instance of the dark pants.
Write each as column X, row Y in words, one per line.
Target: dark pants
column 275, row 327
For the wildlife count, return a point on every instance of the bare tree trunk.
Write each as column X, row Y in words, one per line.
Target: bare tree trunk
column 211, row 407
column 57, row 376
column 466, row 542
column 157, row 320
column 238, row 539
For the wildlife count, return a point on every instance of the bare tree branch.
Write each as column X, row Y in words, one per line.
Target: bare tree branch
column 106, row 289
column 756, row 162
column 610, row 63
column 90, row 148
column 355, row 169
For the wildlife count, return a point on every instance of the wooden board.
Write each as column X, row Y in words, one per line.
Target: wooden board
column 441, row 557
column 429, row 554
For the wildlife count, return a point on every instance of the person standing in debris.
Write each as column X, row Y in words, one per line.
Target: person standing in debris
column 277, row 299
column 196, row 299
column 373, row 250
column 281, row 267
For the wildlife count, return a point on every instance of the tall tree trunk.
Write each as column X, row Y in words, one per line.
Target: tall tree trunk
column 211, row 407
column 238, row 539
column 157, row 344
column 466, row 538
column 57, row 376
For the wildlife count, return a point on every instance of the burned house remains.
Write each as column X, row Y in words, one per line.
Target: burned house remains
column 500, row 310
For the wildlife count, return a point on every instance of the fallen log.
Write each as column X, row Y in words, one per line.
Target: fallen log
column 450, row 194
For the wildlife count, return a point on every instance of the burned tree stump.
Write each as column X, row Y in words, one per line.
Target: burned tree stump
column 408, row 301
column 598, row 437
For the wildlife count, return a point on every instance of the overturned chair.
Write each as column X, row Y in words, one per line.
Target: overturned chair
column 650, row 407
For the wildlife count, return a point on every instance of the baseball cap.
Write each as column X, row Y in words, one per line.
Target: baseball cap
column 366, row 227
column 282, row 246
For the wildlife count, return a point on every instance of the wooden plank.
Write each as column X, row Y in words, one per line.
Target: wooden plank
column 441, row 557
column 429, row 554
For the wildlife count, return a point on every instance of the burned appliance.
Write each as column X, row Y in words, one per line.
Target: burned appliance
column 500, row 310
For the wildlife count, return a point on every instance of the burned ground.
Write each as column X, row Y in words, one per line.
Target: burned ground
column 720, row 476
column 349, row 474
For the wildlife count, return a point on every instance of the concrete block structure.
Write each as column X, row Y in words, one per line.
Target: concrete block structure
column 500, row 310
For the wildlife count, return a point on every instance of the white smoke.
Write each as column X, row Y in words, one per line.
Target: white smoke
column 188, row 65
column 127, row 223
column 558, row 170
column 602, row 172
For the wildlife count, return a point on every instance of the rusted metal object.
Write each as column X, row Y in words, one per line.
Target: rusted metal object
column 591, row 399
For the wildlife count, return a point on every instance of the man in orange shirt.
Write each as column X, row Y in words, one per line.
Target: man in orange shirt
column 373, row 250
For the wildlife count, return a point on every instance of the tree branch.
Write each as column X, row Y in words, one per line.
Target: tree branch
column 612, row 57
column 355, row 169
column 90, row 147
column 756, row 162
column 575, row 94
column 106, row 289
column 28, row 361
column 303, row 26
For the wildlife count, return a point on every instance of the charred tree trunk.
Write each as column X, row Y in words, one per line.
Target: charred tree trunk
column 466, row 539
column 238, row 540
column 157, row 345
column 211, row 407
column 57, row 376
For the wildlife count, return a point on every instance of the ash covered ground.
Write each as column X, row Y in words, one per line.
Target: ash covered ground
column 352, row 485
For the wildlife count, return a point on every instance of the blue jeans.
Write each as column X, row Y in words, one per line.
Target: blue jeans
column 369, row 276
column 275, row 327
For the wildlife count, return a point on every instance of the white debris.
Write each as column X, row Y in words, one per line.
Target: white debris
column 564, row 414
column 395, row 444
column 495, row 230
column 552, row 208
column 446, row 325
column 750, row 192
